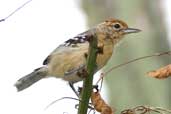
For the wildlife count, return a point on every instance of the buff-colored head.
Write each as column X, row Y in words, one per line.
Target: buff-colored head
column 116, row 28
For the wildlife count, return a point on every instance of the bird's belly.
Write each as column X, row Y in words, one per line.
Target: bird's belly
column 72, row 78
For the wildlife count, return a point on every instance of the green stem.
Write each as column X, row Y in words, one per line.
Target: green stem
column 88, row 81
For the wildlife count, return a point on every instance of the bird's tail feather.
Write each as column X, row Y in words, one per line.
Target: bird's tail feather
column 31, row 78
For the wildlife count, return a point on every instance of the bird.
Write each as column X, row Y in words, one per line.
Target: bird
column 68, row 60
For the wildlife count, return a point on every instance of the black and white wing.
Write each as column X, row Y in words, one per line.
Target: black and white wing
column 72, row 42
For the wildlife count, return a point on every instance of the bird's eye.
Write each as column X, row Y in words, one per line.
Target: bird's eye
column 117, row 26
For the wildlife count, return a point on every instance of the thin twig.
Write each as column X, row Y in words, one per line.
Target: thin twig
column 145, row 109
column 162, row 109
column 61, row 99
column 131, row 61
column 15, row 10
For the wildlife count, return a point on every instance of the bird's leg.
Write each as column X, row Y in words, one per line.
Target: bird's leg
column 73, row 88
column 96, row 87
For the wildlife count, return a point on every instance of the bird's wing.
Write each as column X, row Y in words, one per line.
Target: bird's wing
column 80, row 38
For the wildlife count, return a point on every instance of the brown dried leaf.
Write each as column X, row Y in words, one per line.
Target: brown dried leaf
column 99, row 104
column 161, row 73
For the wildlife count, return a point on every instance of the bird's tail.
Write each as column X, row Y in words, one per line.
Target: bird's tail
column 31, row 78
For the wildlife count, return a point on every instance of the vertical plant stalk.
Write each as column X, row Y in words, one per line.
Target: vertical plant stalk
column 88, row 81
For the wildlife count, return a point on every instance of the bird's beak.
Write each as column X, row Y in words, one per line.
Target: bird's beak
column 130, row 30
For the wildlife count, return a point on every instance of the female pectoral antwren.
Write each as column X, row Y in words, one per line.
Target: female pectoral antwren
column 68, row 60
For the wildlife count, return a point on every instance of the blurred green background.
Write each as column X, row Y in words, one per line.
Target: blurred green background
column 129, row 85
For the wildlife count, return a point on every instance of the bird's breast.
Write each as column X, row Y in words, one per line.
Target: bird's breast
column 104, row 57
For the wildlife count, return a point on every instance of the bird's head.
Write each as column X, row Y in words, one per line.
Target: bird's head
column 116, row 29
